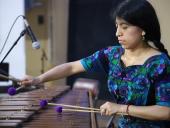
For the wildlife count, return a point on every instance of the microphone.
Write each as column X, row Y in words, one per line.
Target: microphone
column 35, row 43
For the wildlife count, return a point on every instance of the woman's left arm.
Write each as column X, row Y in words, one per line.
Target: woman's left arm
column 154, row 112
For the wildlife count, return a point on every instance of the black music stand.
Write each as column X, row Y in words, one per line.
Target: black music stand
column 4, row 70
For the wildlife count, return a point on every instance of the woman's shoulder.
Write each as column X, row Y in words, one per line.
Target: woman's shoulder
column 158, row 64
column 113, row 50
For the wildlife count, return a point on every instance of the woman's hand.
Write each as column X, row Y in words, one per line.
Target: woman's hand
column 30, row 80
column 109, row 108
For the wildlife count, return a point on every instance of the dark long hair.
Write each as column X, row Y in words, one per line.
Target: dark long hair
column 142, row 14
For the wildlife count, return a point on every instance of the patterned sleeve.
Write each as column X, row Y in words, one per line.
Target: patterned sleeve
column 161, row 80
column 97, row 62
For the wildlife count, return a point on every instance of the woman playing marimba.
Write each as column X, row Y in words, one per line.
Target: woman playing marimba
column 138, row 70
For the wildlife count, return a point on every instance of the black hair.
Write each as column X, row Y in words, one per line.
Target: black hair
column 142, row 14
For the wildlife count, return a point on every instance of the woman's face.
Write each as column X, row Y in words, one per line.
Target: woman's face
column 129, row 36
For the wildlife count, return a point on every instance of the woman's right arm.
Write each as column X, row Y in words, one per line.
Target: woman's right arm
column 55, row 73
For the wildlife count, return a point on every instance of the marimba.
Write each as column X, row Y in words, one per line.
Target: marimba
column 23, row 110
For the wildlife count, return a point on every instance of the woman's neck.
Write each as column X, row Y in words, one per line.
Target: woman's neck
column 136, row 56
column 138, row 51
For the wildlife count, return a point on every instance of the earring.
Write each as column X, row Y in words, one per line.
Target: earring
column 143, row 36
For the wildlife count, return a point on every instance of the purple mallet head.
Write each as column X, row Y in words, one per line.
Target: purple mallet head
column 43, row 103
column 12, row 91
column 59, row 109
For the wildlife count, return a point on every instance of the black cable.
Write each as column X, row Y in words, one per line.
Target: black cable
column 1, row 70
column 9, row 33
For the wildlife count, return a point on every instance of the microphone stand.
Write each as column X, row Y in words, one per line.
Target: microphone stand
column 21, row 34
column 43, row 58
column 3, row 89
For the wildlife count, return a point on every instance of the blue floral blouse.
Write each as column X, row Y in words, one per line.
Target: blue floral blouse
column 139, row 85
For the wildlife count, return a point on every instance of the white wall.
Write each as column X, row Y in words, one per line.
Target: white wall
column 9, row 10
column 58, row 30
column 162, row 8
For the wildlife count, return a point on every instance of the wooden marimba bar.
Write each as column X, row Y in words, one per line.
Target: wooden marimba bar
column 23, row 110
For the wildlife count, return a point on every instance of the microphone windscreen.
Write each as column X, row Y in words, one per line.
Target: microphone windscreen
column 36, row 45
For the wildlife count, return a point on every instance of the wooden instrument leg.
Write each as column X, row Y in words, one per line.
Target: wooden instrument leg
column 110, row 123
